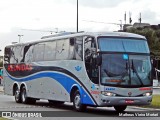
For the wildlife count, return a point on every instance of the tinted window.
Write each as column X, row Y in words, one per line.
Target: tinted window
column 16, row 54
column 123, row 45
column 62, row 49
column 38, row 52
column 50, row 51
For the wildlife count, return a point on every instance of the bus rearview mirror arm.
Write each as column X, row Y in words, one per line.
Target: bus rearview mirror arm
column 99, row 60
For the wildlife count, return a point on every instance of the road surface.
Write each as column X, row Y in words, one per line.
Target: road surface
column 66, row 111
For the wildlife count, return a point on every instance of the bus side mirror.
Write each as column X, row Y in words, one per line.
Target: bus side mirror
column 99, row 60
column 154, row 63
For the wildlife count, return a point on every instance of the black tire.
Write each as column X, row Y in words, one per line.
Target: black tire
column 31, row 100
column 17, row 95
column 25, row 99
column 120, row 108
column 55, row 103
column 78, row 106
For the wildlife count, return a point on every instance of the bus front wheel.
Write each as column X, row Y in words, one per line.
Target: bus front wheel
column 120, row 108
column 78, row 106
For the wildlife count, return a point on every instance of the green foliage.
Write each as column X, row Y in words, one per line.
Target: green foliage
column 3, row 118
column 153, row 37
column 155, row 102
column 1, row 64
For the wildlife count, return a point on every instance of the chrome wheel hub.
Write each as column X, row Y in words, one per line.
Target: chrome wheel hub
column 77, row 101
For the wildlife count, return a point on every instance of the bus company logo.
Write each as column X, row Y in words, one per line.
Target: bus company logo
column 93, row 87
column 6, row 114
column 125, row 56
column 78, row 68
column 129, row 93
column 20, row 67
column 110, row 89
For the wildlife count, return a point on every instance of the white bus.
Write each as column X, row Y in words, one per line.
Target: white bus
column 88, row 69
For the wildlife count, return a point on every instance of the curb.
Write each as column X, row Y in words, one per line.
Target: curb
column 141, row 108
column 1, row 88
column 156, row 87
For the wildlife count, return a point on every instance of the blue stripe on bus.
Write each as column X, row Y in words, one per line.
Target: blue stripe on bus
column 64, row 80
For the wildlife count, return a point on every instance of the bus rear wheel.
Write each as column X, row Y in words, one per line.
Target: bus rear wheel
column 78, row 106
column 120, row 108
column 17, row 95
column 24, row 98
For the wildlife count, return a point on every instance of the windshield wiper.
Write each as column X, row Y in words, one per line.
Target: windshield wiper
column 110, row 74
column 113, row 75
column 126, row 72
column 134, row 70
column 122, row 75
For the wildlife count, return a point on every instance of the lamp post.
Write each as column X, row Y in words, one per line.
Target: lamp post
column 20, row 37
column 77, row 15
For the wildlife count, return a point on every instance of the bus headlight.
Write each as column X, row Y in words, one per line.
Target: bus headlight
column 108, row 93
column 147, row 94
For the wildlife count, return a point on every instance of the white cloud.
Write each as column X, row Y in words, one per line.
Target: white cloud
column 95, row 3
column 50, row 14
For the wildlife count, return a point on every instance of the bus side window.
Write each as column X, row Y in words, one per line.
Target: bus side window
column 29, row 54
column 78, row 48
column 26, row 48
column 19, row 53
column 38, row 52
column 13, row 58
column 75, row 48
column 50, row 51
column 62, row 49
column 16, row 54
column 7, row 55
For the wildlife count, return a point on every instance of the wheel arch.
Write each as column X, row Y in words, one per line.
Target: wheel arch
column 15, row 85
column 23, row 84
column 74, row 88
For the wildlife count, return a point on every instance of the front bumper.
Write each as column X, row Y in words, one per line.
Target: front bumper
column 114, row 101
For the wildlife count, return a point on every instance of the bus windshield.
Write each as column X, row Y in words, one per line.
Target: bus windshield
column 117, row 71
column 121, row 68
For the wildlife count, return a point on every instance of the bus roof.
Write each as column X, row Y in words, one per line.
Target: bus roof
column 72, row 34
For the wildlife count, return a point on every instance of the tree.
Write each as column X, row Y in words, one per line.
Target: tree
column 152, row 36
column 1, row 61
column 1, row 64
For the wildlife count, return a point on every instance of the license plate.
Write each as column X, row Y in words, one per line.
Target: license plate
column 129, row 101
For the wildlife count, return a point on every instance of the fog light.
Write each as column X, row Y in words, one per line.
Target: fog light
column 106, row 101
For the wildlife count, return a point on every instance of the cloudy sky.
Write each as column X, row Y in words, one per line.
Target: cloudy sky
column 33, row 18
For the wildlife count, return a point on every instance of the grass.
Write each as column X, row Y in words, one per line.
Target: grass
column 155, row 102
column 1, row 118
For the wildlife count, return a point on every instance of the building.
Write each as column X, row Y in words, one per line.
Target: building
column 141, row 25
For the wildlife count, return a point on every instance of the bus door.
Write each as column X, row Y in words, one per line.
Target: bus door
column 90, row 63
